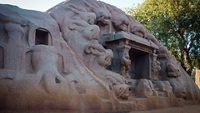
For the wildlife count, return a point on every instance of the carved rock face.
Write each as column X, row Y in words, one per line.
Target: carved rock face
column 45, row 62
column 122, row 91
column 91, row 32
column 105, row 60
column 88, row 17
column 121, row 23
column 137, row 29
column 44, row 57
column 172, row 70
column 104, row 56
column 145, row 88
column 54, row 60
column 103, row 16
column 163, row 88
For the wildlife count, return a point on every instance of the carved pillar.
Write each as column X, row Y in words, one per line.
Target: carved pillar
column 121, row 61
column 13, row 50
column 125, row 62
column 155, row 67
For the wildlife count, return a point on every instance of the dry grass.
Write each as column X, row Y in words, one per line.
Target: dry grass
column 182, row 109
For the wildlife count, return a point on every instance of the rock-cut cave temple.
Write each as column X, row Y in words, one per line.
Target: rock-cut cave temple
column 86, row 55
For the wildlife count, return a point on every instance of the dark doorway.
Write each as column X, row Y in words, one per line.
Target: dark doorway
column 1, row 58
column 139, row 64
column 41, row 37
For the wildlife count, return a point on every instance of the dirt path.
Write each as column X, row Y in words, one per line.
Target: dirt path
column 182, row 109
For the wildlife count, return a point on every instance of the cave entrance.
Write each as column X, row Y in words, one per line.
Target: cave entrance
column 140, row 64
column 41, row 37
column 140, row 52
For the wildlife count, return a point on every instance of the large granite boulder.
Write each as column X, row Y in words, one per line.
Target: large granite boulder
column 60, row 59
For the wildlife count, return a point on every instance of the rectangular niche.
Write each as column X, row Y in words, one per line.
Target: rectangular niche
column 1, row 58
column 41, row 37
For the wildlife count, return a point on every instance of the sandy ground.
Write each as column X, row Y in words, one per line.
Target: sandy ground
column 182, row 109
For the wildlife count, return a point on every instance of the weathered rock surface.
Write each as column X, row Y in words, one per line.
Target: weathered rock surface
column 145, row 88
column 86, row 55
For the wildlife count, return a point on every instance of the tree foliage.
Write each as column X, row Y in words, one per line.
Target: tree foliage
column 176, row 24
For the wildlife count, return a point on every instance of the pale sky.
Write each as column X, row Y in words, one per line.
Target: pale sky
column 43, row 5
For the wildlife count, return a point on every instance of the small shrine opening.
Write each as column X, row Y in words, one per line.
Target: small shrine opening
column 139, row 50
column 139, row 64
column 41, row 37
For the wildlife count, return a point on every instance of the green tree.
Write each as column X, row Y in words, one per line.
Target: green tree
column 176, row 24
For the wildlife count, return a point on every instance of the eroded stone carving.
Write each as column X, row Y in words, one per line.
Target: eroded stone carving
column 85, row 53
column 104, row 56
column 122, row 91
column 125, row 64
column 172, row 70
column 44, row 60
column 155, row 68
column 163, row 88
column 145, row 88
